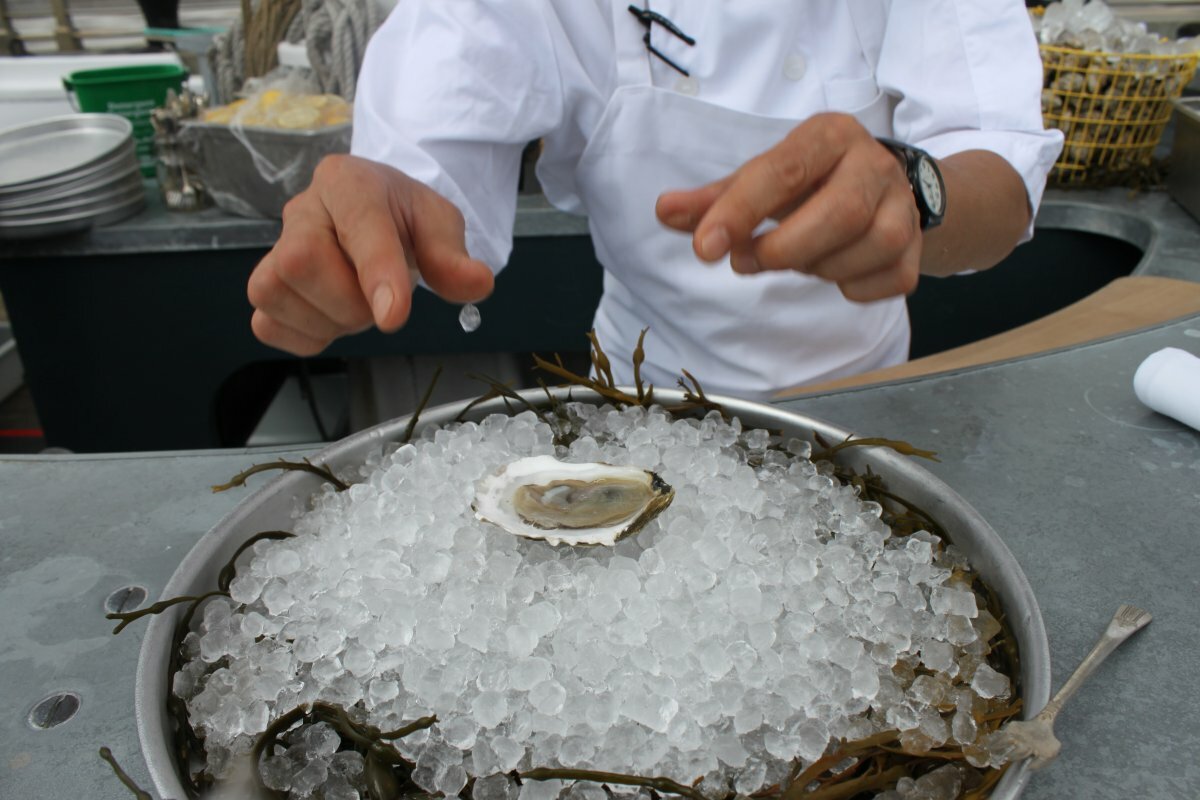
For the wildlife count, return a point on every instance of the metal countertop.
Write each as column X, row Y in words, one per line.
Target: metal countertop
column 157, row 230
column 1096, row 496
column 1145, row 218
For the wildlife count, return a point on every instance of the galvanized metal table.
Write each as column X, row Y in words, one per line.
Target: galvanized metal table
column 1096, row 496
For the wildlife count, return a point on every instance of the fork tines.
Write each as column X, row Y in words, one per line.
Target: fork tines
column 1130, row 619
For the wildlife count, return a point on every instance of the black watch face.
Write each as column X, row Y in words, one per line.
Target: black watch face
column 931, row 186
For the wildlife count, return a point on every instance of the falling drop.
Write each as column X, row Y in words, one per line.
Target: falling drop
column 469, row 317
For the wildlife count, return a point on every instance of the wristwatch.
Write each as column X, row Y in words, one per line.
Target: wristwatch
column 928, row 188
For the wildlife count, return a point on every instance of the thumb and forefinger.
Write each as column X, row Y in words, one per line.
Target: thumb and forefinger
column 393, row 235
column 723, row 215
column 439, row 244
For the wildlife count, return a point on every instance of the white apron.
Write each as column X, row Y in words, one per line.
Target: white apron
column 746, row 336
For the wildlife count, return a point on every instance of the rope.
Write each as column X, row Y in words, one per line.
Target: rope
column 335, row 34
column 229, row 65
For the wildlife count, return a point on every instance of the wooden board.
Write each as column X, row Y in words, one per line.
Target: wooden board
column 1124, row 305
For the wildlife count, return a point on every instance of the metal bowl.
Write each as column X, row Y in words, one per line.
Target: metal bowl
column 253, row 172
column 270, row 508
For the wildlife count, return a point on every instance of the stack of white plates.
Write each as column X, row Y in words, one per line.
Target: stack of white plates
column 67, row 174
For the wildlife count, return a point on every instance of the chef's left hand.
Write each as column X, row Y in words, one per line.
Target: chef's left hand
column 845, row 210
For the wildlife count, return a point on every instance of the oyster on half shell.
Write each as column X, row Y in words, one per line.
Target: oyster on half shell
column 541, row 497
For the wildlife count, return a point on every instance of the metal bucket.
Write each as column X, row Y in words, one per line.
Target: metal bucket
column 270, row 508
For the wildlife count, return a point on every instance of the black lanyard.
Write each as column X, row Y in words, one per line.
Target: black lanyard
column 648, row 19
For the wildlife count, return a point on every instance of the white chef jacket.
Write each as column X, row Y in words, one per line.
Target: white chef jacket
column 452, row 90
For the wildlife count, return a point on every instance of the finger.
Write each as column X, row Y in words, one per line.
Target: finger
column 767, row 183
column 355, row 197
column 896, row 280
column 307, row 262
column 439, row 244
column 274, row 333
column 683, row 209
column 895, row 230
column 840, row 212
column 743, row 260
column 268, row 293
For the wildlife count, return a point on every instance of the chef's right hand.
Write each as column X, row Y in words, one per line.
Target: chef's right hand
column 352, row 245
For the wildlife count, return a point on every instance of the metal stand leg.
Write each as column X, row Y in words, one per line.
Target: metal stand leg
column 65, row 35
column 10, row 41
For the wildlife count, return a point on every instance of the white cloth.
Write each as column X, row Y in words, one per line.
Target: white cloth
column 452, row 90
column 1168, row 381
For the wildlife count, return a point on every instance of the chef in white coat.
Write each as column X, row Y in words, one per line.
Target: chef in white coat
column 728, row 157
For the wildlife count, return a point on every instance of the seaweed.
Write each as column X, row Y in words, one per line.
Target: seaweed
column 497, row 389
column 122, row 776
column 389, row 774
column 229, row 571
column 126, row 617
column 828, row 452
column 321, row 471
column 416, row 415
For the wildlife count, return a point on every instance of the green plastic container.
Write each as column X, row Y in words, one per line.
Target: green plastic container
column 132, row 92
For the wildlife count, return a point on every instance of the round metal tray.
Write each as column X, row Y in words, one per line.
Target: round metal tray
column 49, row 149
column 270, row 508
column 96, row 198
column 74, row 222
column 115, row 163
column 111, row 171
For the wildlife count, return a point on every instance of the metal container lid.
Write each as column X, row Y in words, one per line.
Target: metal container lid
column 59, row 146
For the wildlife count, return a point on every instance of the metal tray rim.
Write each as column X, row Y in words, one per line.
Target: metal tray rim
column 88, row 200
column 92, row 207
column 118, row 160
column 288, row 133
column 112, row 171
column 75, row 223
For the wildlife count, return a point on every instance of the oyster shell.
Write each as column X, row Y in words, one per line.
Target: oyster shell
column 541, row 497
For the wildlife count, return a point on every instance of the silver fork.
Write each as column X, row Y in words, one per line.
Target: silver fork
column 1020, row 739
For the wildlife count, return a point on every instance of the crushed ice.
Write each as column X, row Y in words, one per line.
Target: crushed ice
column 761, row 616
column 1094, row 26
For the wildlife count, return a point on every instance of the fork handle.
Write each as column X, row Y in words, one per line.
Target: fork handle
column 1113, row 636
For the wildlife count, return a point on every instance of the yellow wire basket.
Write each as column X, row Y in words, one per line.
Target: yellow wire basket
column 1111, row 107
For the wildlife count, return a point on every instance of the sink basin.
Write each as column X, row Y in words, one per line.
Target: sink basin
column 1077, row 248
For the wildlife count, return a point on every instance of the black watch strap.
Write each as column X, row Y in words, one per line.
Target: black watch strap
column 911, row 160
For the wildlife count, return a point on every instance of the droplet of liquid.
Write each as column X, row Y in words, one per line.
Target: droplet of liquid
column 469, row 317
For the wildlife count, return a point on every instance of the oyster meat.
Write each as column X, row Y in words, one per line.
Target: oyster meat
column 541, row 497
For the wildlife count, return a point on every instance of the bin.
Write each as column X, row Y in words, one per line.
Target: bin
column 132, row 92
column 1111, row 107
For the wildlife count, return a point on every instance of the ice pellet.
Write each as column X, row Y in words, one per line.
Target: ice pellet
column 944, row 600
column 989, row 683
column 469, row 318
